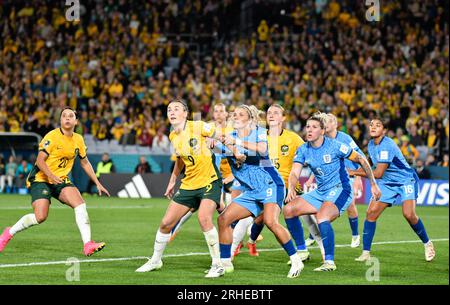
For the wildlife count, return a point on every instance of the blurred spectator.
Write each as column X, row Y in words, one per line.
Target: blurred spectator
column 143, row 166
column 10, row 173
column 161, row 143
column 2, row 173
column 421, row 170
column 105, row 166
column 146, row 136
column 444, row 161
column 408, row 150
column 22, row 172
column 430, row 161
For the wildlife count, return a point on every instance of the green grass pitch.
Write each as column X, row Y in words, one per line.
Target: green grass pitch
column 128, row 227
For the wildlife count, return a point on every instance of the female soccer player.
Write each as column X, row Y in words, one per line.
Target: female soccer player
column 261, row 185
column 200, row 188
column 49, row 178
column 325, row 157
column 396, row 179
column 283, row 145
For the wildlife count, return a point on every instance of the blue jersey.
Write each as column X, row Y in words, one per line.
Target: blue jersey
column 326, row 162
column 398, row 172
column 257, row 171
column 347, row 139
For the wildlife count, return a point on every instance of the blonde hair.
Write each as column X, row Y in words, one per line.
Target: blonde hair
column 320, row 117
column 332, row 117
column 279, row 107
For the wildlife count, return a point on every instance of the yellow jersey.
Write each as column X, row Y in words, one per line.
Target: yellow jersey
column 190, row 145
column 282, row 151
column 62, row 151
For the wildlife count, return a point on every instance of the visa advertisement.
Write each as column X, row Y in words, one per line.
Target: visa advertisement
column 431, row 192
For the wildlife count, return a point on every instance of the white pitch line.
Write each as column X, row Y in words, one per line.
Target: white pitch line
column 189, row 254
column 88, row 207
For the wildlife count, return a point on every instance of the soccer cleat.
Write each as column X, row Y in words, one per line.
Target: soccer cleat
column 238, row 250
column 5, row 238
column 150, row 266
column 228, row 266
column 215, row 271
column 296, row 267
column 92, row 247
column 309, row 241
column 356, row 240
column 430, row 253
column 327, row 266
column 365, row 256
column 252, row 249
column 260, row 237
column 303, row 254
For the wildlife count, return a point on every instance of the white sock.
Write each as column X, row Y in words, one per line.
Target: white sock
column 25, row 222
column 181, row 222
column 161, row 241
column 225, row 261
column 227, row 199
column 82, row 220
column 313, row 228
column 212, row 240
column 239, row 232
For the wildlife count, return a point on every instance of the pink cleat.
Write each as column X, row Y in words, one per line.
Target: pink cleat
column 92, row 247
column 5, row 238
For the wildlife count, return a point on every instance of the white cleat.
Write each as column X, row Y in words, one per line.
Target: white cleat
column 228, row 266
column 150, row 266
column 327, row 266
column 296, row 267
column 309, row 241
column 215, row 271
column 430, row 253
column 356, row 241
column 303, row 254
column 365, row 256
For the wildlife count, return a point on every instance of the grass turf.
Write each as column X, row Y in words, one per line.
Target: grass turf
column 128, row 227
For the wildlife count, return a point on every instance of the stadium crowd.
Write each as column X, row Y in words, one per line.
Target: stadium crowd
column 112, row 66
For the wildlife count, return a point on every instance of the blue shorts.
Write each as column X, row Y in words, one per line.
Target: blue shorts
column 407, row 191
column 254, row 201
column 341, row 197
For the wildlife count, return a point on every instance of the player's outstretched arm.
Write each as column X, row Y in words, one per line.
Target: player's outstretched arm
column 260, row 147
column 365, row 166
column 179, row 165
column 87, row 167
column 294, row 176
column 40, row 162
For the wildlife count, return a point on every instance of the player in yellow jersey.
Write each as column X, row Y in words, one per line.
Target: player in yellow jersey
column 283, row 145
column 49, row 178
column 200, row 188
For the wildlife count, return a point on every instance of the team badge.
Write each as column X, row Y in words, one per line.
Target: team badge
column 193, row 142
column 44, row 192
column 327, row 158
column 46, row 143
column 284, row 150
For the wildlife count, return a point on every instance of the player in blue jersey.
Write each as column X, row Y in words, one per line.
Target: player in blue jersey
column 325, row 157
column 396, row 179
column 262, row 187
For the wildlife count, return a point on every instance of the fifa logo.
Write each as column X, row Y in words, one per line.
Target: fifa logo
column 73, row 12
column 373, row 12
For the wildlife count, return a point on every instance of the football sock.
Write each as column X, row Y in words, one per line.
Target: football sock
column 327, row 233
column 25, row 222
column 225, row 252
column 82, row 220
column 239, row 232
column 354, row 225
column 314, row 231
column 181, row 222
column 255, row 231
column 420, row 231
column 161, row 241
column 212, row 239
column 295, row 228
column 289, row 248
column 368, row 234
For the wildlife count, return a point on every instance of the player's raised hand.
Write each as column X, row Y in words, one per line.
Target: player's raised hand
column 290, row 196
column 376, row 192
column 357, row 186
column 101, row 189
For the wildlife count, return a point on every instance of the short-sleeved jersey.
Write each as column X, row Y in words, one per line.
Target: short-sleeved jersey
column 347, row 139
column 398, row 171
column 62, row 151
column 257, row 171
column 282, row 151
column 326, row 162
column 190, row 145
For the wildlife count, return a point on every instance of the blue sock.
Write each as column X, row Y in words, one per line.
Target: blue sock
column 327, row 233
column 289, row 248
column 234, row 223
column 354, row 225
column 225, row 250
column 368, row 234
column 420, row 231
column 256, row 230
column 295, row 228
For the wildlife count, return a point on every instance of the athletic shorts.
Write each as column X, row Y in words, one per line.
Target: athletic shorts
column 192, row 198
column 407, row 191
column 227, row 187
column 254, row 200
column 44, row 190
column 341, row 197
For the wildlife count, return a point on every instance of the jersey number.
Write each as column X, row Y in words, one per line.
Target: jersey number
column 275, row 162
column 63, row 162
column 190, row 158
column 319, row 171
column 408, row 189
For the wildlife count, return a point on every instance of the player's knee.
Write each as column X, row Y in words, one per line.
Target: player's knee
column 288, row 211
column 222, row 220
column 270, row 223
column 40, row 218
column 165, row 226
column 204, row 221
column 410, row 216
column 371, row 215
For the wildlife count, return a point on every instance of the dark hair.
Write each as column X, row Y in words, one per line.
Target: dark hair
column 181, row 101
column 70, row 108
column 383, row 121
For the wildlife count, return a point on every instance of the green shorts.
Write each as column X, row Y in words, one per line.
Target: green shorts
column 227, row 186
column 192, row 198
column 43, row 190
